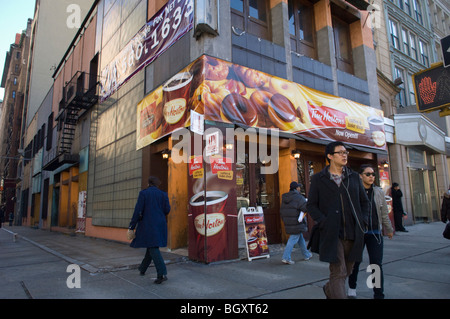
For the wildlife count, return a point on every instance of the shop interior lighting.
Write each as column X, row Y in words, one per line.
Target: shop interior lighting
column 296, row 154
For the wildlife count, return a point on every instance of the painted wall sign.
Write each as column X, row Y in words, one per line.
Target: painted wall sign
column 166, row 27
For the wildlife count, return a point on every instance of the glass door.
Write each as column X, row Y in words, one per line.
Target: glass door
column 419, row 199
column 256, row 189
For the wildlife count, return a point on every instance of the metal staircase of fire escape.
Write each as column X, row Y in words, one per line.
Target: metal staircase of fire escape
column 77, row 99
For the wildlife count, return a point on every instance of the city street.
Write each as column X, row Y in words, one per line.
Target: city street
column 34, row 265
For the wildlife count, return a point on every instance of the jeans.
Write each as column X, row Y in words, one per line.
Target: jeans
column 293, row 239
column 154, row 254
column 374, row 244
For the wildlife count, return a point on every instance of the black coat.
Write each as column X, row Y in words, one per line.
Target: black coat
column 397, row 205
column 328, row 203
column 445, row 208
column 291, row 204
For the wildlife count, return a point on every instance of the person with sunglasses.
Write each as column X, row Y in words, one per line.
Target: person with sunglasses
column 373, row 239
column 339, row 205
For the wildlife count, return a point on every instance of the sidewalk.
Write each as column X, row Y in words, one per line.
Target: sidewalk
column 416, row 266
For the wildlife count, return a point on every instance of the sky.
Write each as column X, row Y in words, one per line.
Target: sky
column 13, row 19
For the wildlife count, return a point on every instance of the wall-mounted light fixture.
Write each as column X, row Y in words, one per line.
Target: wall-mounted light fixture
column 385, row 164
column 296, row 153
column 165, row 154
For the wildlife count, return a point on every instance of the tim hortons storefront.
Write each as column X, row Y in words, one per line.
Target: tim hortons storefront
column 241, row 136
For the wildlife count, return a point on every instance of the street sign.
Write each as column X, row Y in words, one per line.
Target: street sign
column 445, row 46
column 432, row 88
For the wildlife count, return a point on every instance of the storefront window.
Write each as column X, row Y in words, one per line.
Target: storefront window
column 416, row 156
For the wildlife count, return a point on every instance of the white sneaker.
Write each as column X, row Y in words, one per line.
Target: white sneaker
column 289, row 262
column 351, row 293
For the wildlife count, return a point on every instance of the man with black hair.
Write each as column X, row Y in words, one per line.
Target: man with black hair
column 339, row 205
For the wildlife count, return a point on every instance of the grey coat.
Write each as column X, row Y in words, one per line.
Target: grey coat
column 291, row 204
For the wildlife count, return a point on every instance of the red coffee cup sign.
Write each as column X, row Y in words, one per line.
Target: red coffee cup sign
column 212, row 227
column 175, row 96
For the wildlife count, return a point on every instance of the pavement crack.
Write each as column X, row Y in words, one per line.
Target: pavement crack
column 27, row 292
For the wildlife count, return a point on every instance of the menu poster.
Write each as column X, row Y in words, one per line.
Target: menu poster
column 255, row 232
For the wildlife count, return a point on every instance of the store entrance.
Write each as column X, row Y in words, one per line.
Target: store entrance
column 256, row 189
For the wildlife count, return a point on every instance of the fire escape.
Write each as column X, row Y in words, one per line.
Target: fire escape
column 77, row 98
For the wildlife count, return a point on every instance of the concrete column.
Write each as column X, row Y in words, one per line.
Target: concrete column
column 364, row 59
column 325, row 41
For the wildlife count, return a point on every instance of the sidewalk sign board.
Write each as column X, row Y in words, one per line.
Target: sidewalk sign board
column 255, row 232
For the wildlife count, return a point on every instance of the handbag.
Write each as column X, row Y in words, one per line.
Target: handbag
column 446, row 232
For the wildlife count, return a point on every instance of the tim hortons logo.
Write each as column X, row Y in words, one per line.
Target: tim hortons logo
column 214, row 224
column 325, row 116
column 254, row 219
column 174, row 110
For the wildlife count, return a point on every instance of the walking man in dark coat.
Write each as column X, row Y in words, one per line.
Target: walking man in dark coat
column 151, row 231
column 339, row 205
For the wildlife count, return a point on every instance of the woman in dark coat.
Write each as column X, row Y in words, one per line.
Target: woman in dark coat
column 151, row 231
column 445, row 208
column 397, row 207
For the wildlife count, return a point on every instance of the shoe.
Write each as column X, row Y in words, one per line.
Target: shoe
column 308, row 258
column 351, row 293
column 160, row 279
column 288, row 262
column 142, row 273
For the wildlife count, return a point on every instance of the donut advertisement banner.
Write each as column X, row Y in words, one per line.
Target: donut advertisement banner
column 230, row 93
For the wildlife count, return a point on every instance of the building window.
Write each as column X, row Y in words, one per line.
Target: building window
column 423, row 53
column 408, row 7
column 402, row 95
column 412, row 96
column 15, row 81
column 412, row 42
column 405, row 42
column 13, row 94
column 394, row 34
column 251, row 16
column 344, row 56
column 417, row 11
column 301, row 27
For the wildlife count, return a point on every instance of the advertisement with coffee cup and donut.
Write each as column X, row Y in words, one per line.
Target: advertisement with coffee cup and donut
column 230, row 93
column 212, row 217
